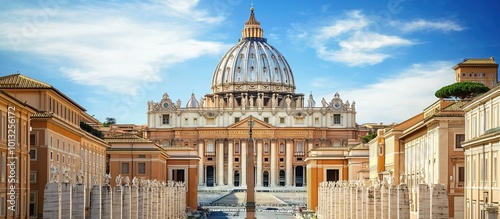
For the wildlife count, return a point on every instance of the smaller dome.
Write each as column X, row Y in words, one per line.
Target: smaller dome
column 192, row 103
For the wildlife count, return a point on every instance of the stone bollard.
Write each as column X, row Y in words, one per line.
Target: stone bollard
column 118, row 198
column 106, row 199
column 403, row 202
column 52, row 200
column 66, row 194
column 439, row 202
column 95, row 202
column 134, row 197
column 126, row 199
column 423, row 197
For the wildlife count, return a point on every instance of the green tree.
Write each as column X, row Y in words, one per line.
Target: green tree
column 109, row 121
column 462, row 90
column 367, row 138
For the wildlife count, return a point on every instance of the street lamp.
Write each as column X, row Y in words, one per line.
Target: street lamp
column 250, row 205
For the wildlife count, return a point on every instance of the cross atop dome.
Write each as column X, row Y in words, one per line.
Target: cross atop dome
column 252, row 27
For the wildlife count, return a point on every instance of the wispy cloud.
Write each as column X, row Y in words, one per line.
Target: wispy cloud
column 402, row 96
column 349, row 41
column 118, row 49
column 426, row 25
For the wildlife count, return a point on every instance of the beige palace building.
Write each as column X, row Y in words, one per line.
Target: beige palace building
column 482, row 146
column 254, row 79
column 62, row 135
column 482, row 70
column 14, row 146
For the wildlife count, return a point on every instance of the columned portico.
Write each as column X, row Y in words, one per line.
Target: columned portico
column 273, row 164
column 259, row 163
column 289, row 167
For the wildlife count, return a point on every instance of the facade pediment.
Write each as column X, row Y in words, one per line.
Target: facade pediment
column 258, row 124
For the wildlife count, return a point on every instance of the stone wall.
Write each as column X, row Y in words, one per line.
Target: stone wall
column 140, row 199
column 378, row 200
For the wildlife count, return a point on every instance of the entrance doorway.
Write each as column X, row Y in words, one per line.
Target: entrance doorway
column 265, row 177
column 210, row 176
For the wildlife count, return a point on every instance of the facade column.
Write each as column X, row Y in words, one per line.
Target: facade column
column 230, row 164
column 289, row 167
column 201, row 169
column 243, row 175
column 220, row 163
column 259, row 163
column 273, row 174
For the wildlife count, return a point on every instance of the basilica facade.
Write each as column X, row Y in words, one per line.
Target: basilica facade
column 253, row 80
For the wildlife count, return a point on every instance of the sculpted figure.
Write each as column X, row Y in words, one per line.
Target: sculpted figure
column 54, row 174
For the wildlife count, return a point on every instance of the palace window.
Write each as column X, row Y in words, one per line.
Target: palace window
column 300, row 147
column 332, row 175
column 125, row 168
column 210, row 147
column 166, row 119
column 33, row 154
column 178, row 175
column 282, row 148
column 237, row 148
column 141, row 168
column 336, row 119
column 460, row 176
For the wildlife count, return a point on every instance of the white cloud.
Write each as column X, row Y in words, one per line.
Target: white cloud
column 116, row 49
column 400, row 97
column 349, row 42
column 421, row 24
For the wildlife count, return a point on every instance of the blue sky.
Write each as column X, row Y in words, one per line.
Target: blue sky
column 114, row 56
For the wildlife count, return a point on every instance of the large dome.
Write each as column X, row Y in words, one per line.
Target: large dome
column 253, row 65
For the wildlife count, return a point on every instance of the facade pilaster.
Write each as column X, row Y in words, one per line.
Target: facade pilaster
column 259, row 163
column 273, row 173
column 243, row 162
column 230, row 164
column 289, row 167
column 220, row 162
column 201, row 169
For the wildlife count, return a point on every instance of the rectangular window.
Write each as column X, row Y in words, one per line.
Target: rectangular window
column 236, row 119
column 282, row 148
column 266, row 148
column 266, row 119
column 3, row 169
column 141, row 156
column 494, row 169
column 300, row 147
column 32, row 139
column 316, row 121
column 142, row 168
column 332, row 175
column 236, row 159
column 166, row 119
column 195, row 121
column 461, row 176
column 336, row 119
column 210, row 147
column 33, row 154
column 236, row 148
column 33, row 205
column 282, row 120
column 125, row 168
column 32, row 177
column 459, row 138
column 3, row 205
column 178, row 175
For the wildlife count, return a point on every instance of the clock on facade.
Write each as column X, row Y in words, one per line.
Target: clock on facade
column 336, row 105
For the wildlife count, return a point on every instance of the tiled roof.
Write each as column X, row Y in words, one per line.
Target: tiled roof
column 479, row 61
column 126, row 138
column 21, row 81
